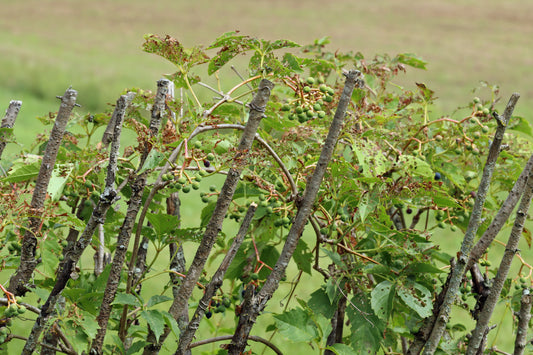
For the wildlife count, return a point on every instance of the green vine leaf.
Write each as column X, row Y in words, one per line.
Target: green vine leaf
column 296, row 325
column 381, row 299
column 412, row 60
column 416, row 297
column 342, row 349
column 155, row 320
column 172, row 50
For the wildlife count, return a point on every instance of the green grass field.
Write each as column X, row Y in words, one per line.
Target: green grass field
column 94, row 46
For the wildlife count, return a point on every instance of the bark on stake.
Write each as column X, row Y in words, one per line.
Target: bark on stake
column 257, row 110
column 457, row 273
column 107, row 198
column 9, row 121
column 19, row 280
column 257, row 303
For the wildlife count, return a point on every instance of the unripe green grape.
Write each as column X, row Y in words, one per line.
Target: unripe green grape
column 485, row 129
column 212, row 188
column 323, row 88
column 182, row 180
column 210, row 157
column 197, row 144
column 299, row 109
column 317, row 107
column 321, row 114
column 195, row 185
column 186, row 189
column 307, row 89
column 285, row 107
column 310, row 114
column 310, row 80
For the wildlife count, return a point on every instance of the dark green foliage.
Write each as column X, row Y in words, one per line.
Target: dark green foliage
column 394, row 162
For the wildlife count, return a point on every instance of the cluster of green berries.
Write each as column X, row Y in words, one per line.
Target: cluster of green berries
column 273, row 207
column 220, row 305
column 465, row 291
column 452, row 217
column 313, row 104
column 220, row 147
column 522, row 283
column 3, row 334
column 480, row 109
column 485, row 263
column 183, row 183
column 12, row 310
column 238, row 212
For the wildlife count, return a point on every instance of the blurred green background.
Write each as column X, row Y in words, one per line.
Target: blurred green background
column 95, row 46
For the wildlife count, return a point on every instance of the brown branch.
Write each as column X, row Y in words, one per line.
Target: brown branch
column 524, row 315
column 337, row 325
column 28, row 263
column 257, row 109
column 44, row 345
column 228, row 337
column 502, row 216
column 113, row 280
column 473, row 225
column 210, row 290
column 76, row 249
column 120, row 110
column 258, row 302
column 475, row 344
column 9, row 121
column 134, row 205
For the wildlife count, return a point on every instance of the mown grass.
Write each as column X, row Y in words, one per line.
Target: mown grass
column 95, row 47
